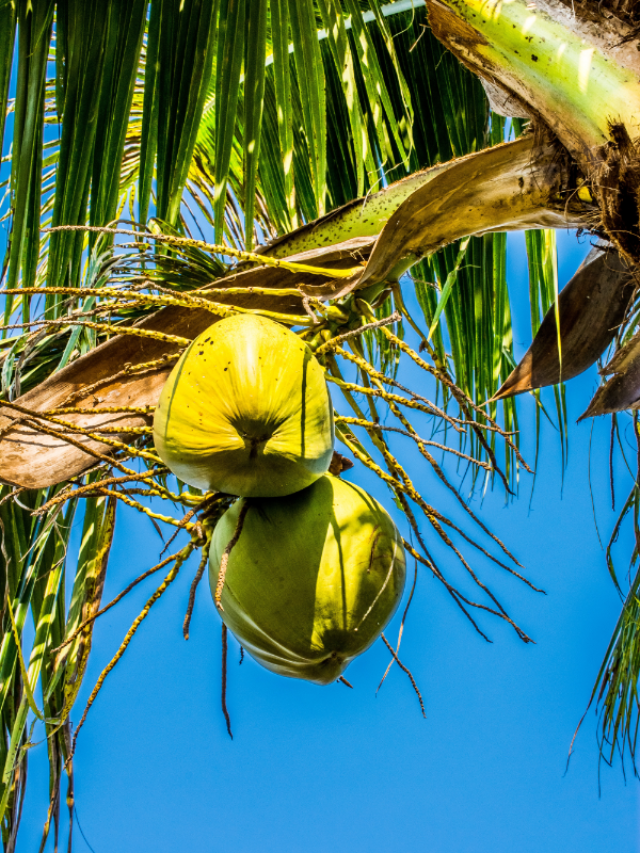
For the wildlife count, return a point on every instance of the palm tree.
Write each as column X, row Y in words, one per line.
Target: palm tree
column 330, row 164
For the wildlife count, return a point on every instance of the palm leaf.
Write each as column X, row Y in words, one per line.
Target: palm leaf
column 34, row 33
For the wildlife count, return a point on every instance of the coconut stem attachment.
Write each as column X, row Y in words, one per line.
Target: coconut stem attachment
column 224, row 562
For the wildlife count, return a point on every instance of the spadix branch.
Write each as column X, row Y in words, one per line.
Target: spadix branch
column 70, row 427
column 401, row 484
column 413, row 435
column 180, row 300
column 213, row 248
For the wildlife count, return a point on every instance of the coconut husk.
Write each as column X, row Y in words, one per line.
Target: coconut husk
column 590, row 307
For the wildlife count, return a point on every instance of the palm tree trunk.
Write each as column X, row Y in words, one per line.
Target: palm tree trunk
column 577, row 73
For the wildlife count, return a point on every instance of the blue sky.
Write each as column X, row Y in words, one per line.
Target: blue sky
column 331, row 769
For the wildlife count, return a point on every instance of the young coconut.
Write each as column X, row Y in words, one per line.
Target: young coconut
column 246, row 411
column 311, row 579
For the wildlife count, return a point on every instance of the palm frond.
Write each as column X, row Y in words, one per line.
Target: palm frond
column 616, row 688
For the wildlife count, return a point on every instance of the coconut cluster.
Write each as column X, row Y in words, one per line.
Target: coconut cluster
column 313, row 566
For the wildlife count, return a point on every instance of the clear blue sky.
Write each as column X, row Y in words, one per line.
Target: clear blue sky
column 330, row 769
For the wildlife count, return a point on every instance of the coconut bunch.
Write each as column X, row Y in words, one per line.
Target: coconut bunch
column 319, row 575
column 305, row 569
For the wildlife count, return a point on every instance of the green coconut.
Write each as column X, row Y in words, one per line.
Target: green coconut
column 312, row 579
column 246, row 411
